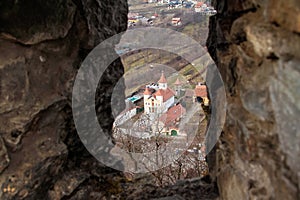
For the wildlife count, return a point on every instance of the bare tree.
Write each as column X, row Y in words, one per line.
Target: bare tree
column 170, row 168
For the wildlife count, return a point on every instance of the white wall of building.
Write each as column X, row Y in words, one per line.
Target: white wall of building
column 169, row 103
column 123, row 117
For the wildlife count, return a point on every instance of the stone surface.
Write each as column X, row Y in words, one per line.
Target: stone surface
column 42, row 45
column 4, row 159
column 31, row 22
column 256, row 47
column 198, row 189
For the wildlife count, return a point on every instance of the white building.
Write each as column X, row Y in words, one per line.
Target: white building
column 159, row 101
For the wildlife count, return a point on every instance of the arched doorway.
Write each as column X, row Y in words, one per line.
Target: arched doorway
column 173, row 133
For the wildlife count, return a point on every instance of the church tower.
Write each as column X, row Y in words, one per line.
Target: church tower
column 162, row 83
column 178, row 85
column 147, row 95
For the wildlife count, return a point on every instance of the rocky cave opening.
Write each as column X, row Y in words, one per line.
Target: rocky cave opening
column 255, row 44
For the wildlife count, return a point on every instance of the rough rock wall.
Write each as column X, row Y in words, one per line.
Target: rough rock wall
column 256, row 45
column 42, row 44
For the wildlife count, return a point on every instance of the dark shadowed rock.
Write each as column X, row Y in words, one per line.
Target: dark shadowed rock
column 4, row 159
column 31, row 22
column 256, row 45
column 42, row 44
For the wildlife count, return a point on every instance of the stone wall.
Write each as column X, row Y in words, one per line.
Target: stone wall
column 42, row 44
column 256, row 45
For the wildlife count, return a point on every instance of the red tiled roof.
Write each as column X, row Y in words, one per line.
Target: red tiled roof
column 172, row 114
column 159, row 93
column 147, row 91
column 132, row 15
column 166, row 94
column 199, row 4
column 200, row 91
column 176, row 19
column 162, row 78
column 178, row 82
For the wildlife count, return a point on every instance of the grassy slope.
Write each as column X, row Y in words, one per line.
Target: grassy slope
column 194, row 26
